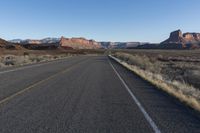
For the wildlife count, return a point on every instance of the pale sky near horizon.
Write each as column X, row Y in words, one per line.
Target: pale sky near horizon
column 102, row 20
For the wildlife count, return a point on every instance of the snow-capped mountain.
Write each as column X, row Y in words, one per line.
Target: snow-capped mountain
column 34, row 41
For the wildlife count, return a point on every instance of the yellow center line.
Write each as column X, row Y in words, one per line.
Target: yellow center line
column 36, row 84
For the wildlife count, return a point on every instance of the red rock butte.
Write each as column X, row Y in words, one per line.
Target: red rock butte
column 178, row 39
column 79, row 43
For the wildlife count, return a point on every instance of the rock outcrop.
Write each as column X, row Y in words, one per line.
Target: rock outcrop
column 7, row 45
column 178, row 40
column 175, row 37
column 192, row 37
column 79, row 43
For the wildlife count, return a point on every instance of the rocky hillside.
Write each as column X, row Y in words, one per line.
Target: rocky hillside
column 178, row 40
column 3, row 43
column 7, row 45
column 79, row 43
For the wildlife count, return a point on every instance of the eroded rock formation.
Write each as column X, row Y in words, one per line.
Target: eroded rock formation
column 79, row 43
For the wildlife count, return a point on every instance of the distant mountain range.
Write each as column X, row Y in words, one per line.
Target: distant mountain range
column 76, row 43
column 176, row 40
column 120, row 45
column 67, row 43
column 32, row 41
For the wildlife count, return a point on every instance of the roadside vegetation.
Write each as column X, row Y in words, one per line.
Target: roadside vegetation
column 176, row 72
column 20, row 60
column 22, row 57
column 10, row 58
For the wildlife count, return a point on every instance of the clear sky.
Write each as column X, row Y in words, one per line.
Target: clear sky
column 102, row 20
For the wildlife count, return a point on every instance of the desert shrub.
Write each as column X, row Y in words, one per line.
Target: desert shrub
column 35, row 59
column 55, row 57
column 144, row 62
column 9, row 60
column 26, row 54
column 172, row 68
column 181, row 90
column 26, row 58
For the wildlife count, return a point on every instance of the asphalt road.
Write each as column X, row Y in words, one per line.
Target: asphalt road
column 87, row 94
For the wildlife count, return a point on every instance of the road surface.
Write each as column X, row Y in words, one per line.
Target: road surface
column 87, row 94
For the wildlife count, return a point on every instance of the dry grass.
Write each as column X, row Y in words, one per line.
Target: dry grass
column 183, row 66
column 151, row 70
column 20, row 60
column 22, row 57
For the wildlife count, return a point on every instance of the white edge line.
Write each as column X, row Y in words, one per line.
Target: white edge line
column 146, row 115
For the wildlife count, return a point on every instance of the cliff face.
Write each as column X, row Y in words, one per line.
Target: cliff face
column 192, row 37
column 179, row 40
column 79, row 43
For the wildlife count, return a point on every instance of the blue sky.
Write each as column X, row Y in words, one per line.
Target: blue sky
column 102, row 20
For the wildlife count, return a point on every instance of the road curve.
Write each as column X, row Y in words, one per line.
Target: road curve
column 87, row 94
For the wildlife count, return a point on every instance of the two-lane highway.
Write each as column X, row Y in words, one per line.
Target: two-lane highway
column 87, row 94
